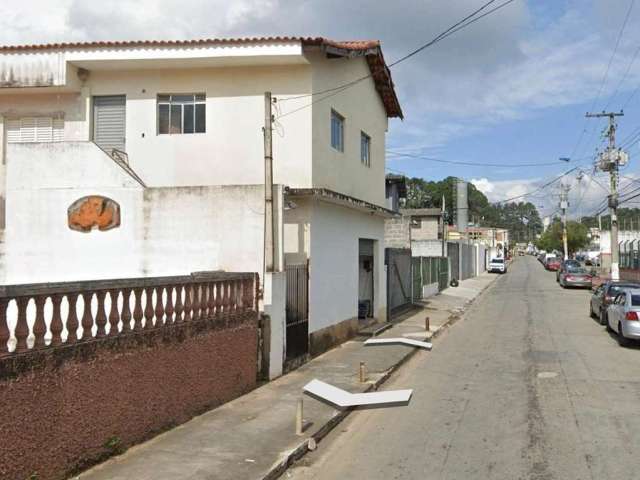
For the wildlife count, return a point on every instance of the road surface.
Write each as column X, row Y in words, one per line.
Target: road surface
column 526, row 386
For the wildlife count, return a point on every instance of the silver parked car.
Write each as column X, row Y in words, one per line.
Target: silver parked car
column 623, row 316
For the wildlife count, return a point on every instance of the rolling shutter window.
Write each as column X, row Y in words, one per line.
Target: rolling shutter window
column 35, row 129
column 109, row 122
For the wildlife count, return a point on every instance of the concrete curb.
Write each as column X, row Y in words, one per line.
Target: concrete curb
column 310, row 443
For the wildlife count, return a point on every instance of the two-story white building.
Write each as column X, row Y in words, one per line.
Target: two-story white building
column 143, row 158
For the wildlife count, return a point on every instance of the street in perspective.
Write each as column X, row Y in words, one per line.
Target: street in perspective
column 365, row 240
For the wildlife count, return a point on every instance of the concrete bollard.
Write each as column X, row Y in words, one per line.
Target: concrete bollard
column 299, row 419
column 363, row 372
column 426, row 323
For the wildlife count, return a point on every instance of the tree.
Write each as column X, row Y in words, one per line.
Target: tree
column 577, row 237
column 521, row 218
column 628, row 219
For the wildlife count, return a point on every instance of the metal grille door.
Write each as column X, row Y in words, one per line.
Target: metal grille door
column 109, row 121
column 297, row 335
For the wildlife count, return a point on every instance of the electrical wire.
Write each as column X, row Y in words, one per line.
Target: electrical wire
column 623, row 78
column 539, row 188
column 472, row 164
column 605, row 76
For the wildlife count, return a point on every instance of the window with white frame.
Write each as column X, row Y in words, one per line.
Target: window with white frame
column 35, row 130
column 183, row 113
column 337, row 131
column 365, row 149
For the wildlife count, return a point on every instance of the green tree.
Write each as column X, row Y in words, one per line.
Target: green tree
column 577, row 237
column 520, row 218
column 628, row 219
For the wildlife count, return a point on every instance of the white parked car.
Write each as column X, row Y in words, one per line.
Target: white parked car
column 497, row 265
column 623, row 316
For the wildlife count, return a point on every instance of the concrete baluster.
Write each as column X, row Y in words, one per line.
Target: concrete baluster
column 39, row 325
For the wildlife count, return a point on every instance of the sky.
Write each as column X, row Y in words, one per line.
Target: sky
column 511, row 89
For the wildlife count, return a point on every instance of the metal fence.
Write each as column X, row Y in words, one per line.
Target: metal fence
column 630, row 254
column 429, row 271
column 297, row 310
column 398, row 261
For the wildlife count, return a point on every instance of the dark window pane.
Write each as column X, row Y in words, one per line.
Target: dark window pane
column 163, row 118
column 181, row 98
column 201, row 122
column 635, row 300
column 188, row 119
column 201, row 97
column 164, row 98
column 176, row 119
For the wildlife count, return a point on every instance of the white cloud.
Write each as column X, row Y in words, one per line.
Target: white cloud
column 497, row 191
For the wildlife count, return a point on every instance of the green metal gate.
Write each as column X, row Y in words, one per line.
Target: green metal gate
column 429, row 270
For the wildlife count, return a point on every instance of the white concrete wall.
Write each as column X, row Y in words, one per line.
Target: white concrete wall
column 363, row 111
column 334, row 267
column 231, row 150
column 164, row 231
column 426, row 248
column 39, row 246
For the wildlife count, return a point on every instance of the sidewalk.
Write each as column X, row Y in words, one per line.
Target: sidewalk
column 253, row 437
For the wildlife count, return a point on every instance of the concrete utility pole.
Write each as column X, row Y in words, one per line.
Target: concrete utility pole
column 610, row 161
column 444, row 228
column 269, row 233
column 564, row 204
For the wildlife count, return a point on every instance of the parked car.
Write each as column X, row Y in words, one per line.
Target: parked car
column 497, row 265
column 552, row 263
column 623, row 316
column 604, row 295
column 565, row 265
column 574, row 276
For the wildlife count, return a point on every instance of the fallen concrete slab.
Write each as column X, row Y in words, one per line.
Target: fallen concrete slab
column 402, row 341
column 343, row 399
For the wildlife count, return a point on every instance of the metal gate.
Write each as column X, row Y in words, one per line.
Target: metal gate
column 297, row 308
column 398, row 262
column 453, row 249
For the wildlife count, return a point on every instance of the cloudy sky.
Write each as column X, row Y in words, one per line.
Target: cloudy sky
column 511, row 89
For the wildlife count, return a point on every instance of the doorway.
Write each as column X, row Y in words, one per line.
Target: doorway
column 365, row 278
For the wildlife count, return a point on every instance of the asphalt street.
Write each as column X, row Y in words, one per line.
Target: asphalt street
column 526, row 386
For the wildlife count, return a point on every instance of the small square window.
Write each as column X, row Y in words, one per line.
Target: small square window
column 337, row 131
column 365, row 149
column 181, row 114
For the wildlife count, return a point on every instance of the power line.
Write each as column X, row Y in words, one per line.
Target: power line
column 464, row 23
column 539, row 188
column 624, row 77
column 604, row 77
column 472, row 164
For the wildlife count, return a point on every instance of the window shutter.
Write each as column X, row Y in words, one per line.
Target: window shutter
column 35, row 129
column 28, row 130
column 13, row 131
column 58, row 129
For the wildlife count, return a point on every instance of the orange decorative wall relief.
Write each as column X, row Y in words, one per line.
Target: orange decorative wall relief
column 93, row 211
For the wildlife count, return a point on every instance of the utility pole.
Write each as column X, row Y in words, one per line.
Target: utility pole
column 610, row 161
column 444, row 235
column 269, row 231
column 564, row 204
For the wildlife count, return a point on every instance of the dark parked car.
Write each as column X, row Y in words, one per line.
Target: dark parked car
column 604, row 295
column 572, row 276
column 566, row 265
